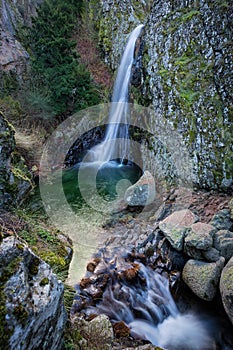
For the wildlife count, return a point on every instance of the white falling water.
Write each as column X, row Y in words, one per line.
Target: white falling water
column 151, row 313
column 117, row 128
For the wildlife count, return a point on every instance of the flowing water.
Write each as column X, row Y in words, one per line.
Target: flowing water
column 118, row 119
column 146, row 306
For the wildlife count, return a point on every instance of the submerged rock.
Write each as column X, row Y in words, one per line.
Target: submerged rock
column 226, row 288
column 32, row 313
column 203, row 277
column 142, row 192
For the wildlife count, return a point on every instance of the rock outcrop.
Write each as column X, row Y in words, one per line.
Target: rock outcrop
column 185, row 74
column 32, row 312
column 13, row 56
column 7, row 145
column 15, row 179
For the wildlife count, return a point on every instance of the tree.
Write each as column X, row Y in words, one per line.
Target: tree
column 55, row 66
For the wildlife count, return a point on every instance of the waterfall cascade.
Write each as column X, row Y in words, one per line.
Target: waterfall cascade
column 118, row 122
column 148, row 309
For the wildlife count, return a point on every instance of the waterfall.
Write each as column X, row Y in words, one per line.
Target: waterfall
column 118, row 122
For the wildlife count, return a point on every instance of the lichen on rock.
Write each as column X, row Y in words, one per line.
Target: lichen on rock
column 32, row 309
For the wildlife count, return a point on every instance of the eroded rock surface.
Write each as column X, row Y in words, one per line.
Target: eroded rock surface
column 32, row 313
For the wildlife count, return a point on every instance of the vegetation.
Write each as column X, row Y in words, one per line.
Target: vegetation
column 58, row 81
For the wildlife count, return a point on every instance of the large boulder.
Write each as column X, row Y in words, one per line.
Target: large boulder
column 203, row 277
column 32, row 313
column 142, row 192
column 223, row 242
column 226, row 288
column 175, row 226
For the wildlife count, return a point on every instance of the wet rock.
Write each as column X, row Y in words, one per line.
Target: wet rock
column 175, row 227
column 32, row 298
column 91, row 266
column 226, row 288
column 202, row 277
column 142, row 192
column 222, row 220
column 223, row 242
column 131, row 273
column 121, row 329
column 198, row 238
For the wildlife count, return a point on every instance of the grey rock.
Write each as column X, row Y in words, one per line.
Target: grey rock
column 96, row 334
column 222, row 220
column 35, row 312
column 223, row 242
column 226, row 288
column 142, row 192
column 199, row 236
column 211, row 255
column 202, row 277
column 175, row 226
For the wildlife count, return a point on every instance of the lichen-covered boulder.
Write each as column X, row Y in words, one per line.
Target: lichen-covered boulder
column 32, row 312
column 203, row 277
column 95, row 334
column 223, row 242
column 142, row 192
column 226, row 288
column 198, row 239
column 222, row 220
column 175, row 226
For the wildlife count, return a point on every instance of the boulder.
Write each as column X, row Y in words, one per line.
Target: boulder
column 142, row 192
column 203, row 277
column 95, row 334
column 226, row 288
column 198, row 238
column 222, row 220
column 175, row 227
column 32, row 313
column 211, row 254
column 223, row 242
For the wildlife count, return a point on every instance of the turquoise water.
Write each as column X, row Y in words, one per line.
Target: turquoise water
column 100, row 178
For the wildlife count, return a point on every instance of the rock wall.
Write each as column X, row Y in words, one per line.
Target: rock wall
column 186, row 74
column 15, row 179
column 15, row 14
column 7, row 144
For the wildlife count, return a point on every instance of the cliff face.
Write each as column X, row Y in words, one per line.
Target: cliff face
column 186, row 73
column 14, row 14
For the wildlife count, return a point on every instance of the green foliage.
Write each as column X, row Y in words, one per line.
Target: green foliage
column 58, row 78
